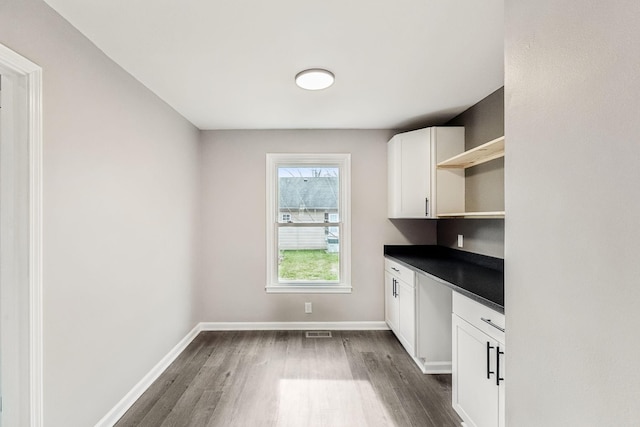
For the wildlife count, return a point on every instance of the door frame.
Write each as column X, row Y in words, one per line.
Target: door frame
column 29, row 164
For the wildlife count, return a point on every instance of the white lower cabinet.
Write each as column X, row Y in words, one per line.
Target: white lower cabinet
column 391, row 303
column 478, row 363
column 400, row 306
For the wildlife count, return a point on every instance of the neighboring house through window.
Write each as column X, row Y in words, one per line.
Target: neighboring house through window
column 308, row 223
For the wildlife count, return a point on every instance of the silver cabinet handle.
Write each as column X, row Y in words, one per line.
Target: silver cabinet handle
column 489, row 322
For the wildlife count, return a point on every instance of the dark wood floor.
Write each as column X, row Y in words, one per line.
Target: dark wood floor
column 281, row 378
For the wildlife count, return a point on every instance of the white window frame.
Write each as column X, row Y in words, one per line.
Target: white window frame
column 339, row 160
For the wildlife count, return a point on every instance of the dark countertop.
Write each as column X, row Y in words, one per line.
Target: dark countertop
column 478, row 277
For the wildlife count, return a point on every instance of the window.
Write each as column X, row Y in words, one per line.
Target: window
column 308, row 223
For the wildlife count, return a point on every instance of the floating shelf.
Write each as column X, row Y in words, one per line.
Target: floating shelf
column 493, row 214
column 481, row 154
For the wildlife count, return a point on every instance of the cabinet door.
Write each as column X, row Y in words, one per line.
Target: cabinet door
column 390, row 303
column 409, row 175
column 416, row 175
column 475, row 395
column 407, row 318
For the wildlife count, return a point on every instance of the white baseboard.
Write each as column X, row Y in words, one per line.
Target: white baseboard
column 433, row 367
column 130, row 398
column 293, row 326
column 437, row 368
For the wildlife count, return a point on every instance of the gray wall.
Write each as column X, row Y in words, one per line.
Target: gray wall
column 484, row 184
column 234, row 258
column 120, row 194
column 482, row 236
column 572, row 233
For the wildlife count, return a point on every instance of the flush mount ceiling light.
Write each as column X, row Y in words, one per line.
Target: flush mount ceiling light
column 315, row 79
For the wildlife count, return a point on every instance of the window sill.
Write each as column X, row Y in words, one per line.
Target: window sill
column 307, row 289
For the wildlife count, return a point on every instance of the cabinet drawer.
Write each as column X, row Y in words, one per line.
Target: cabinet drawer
column 482, row 317
column 400, row 271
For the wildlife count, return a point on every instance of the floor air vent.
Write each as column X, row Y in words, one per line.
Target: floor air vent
column 318, row 334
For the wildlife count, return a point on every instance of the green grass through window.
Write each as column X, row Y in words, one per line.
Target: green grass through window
column 308, row 265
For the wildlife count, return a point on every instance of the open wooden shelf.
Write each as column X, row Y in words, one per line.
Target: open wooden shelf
column 493, row 214
column 476, row 156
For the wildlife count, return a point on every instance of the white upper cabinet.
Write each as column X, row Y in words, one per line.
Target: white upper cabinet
column 416, row 188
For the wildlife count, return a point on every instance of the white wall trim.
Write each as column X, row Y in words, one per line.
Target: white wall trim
column 294, row 326
column 134, row 394
column 32, row 73
column 35, row 247
column 433, row 367
column 306, row 289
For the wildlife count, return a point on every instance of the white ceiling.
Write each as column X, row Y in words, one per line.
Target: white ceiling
column 230, row 64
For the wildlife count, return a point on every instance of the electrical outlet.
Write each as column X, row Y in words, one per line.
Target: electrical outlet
column 460, row 240
column 307, row 307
